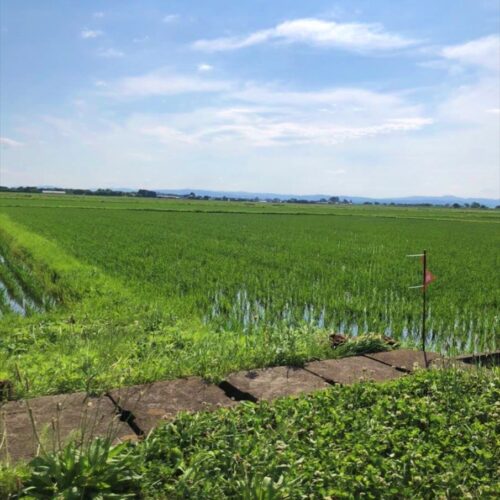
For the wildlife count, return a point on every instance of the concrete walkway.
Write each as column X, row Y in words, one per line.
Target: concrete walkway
column 46, row 423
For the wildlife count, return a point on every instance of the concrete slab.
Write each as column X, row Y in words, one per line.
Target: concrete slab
column 405, row 359
column 57, row 419
column 353, row 369
column 451, row 363
column 271, row 383
column 487, row 359
column 152, row 403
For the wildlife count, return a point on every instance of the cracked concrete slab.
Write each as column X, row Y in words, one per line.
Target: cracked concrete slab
column 353, row 369
column 405, row 359
column 56, row 420
column 153, row 403
column 271, row 383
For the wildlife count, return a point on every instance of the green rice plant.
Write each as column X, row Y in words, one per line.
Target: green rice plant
column 363, row 344
column 11, row 480
column 347, row 273
column 145, row 290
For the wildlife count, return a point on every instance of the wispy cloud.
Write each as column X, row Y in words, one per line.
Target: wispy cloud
column 483, row 52
column 166, row 134
column 351, row 36
column 265, row 115
column 10, row 143
column 356, row 99
column 472, row 104
column 164, row 83
column 203, row 68
column 264, row 129
column 86, row 33
column 170, row 18
column 110, row 53
column 98, row 15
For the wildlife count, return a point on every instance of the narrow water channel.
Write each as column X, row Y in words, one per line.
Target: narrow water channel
column 21, row 304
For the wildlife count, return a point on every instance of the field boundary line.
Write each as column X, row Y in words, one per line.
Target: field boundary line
column 243, row 212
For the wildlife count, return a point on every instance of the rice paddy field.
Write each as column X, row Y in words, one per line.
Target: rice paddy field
column 98, row 293
column 162, row 288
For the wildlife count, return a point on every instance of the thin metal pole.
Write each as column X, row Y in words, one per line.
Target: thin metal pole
column 424, row 304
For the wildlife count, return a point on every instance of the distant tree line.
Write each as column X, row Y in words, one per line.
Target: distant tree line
column 89, row 192
column 146, row 193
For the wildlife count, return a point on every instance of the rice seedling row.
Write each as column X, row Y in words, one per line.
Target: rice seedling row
column 245, row 272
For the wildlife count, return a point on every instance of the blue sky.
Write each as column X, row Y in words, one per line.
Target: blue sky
column 375, row 98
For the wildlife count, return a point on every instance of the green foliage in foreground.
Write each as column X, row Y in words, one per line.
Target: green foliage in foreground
column 434, row 434
column 96, row 471
column 431, row 435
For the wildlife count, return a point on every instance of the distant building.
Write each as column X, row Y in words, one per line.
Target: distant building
column 53, row 191
column 168, row 196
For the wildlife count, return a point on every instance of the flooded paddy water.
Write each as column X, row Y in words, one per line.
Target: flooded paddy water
column 14, row 296
column 241, row 312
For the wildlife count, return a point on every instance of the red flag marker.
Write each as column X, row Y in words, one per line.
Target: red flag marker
column 429, row 278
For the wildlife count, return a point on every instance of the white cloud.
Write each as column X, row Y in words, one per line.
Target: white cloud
column 318, row 32
column 164, row 83
column 110, row 53
column 483, row 52
column 271, row 115
column 265, row 117
column 278, row 147
column 473, row 104
column 356, row 99
column 10, row 143
column 262, row 129
column 170, row 18
column 165, row 134
column 86, row 33
column 330, row 100
column 98, row 15
column 205, row 67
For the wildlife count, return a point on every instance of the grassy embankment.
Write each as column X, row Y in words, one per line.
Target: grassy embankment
column 100, row 335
